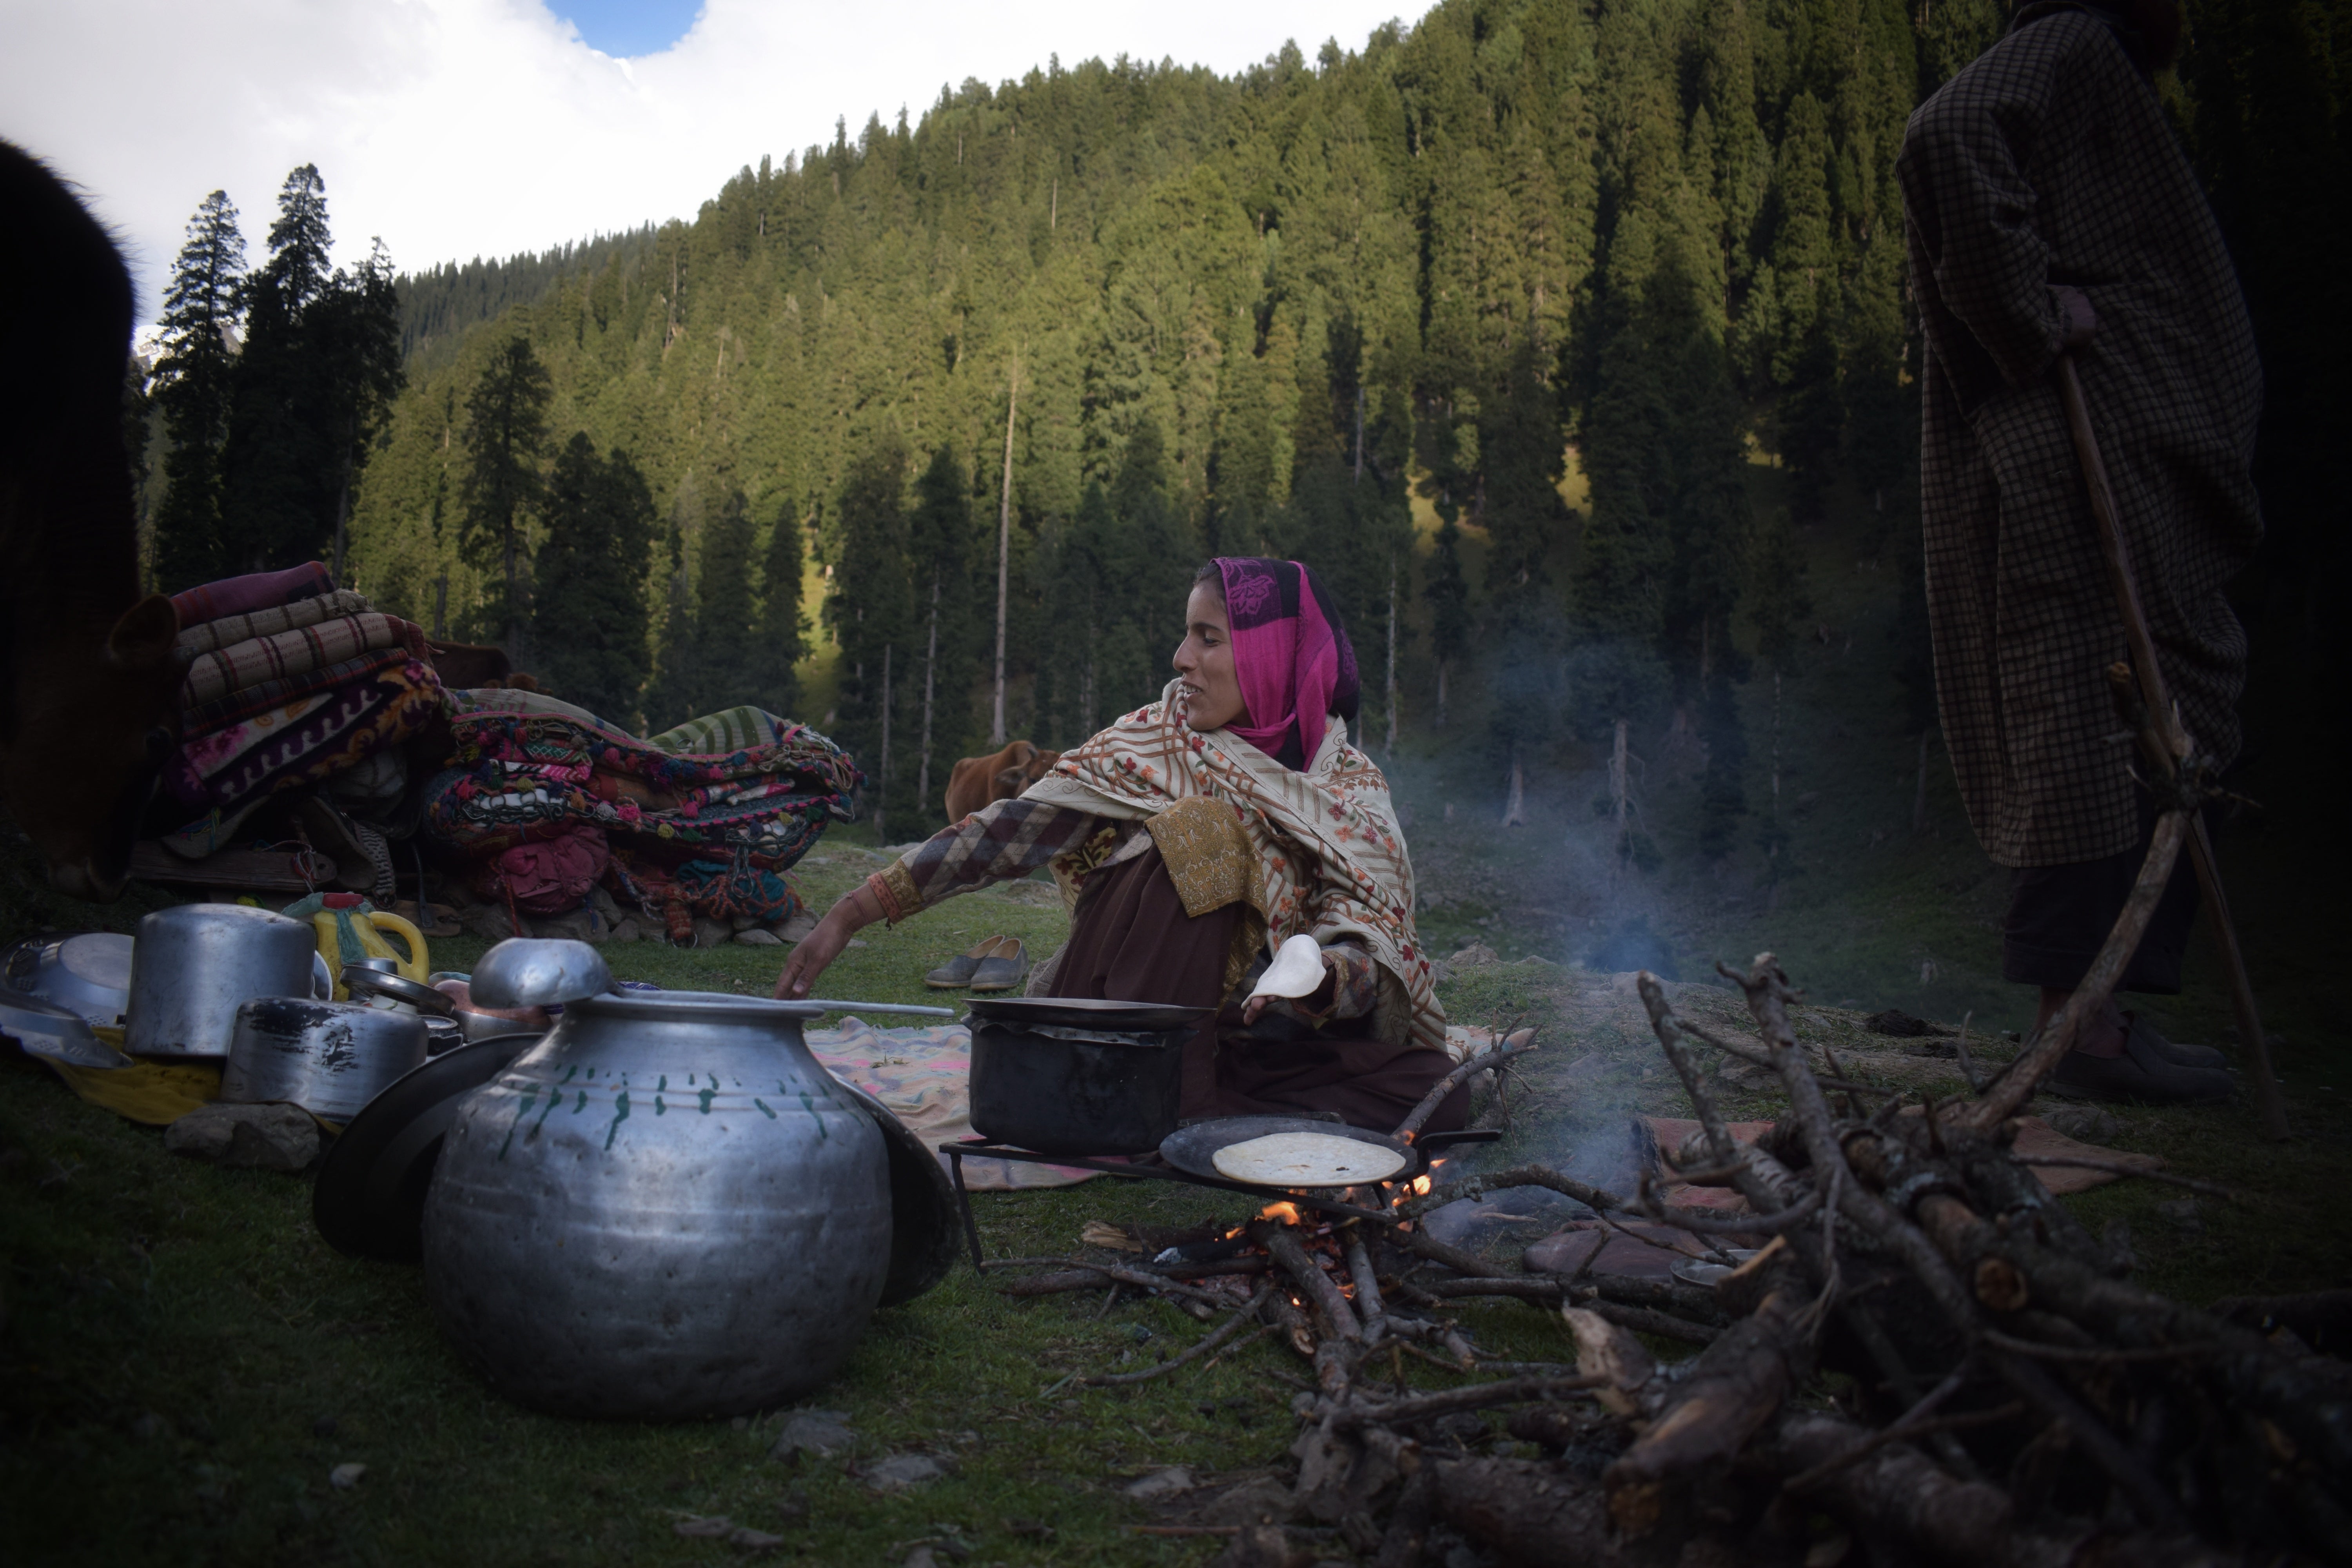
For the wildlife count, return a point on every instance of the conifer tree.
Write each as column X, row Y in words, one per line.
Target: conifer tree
column 1520, row 439
column 670, row 699
column 1449, row 609
column 352, row 333
column 871, row 612
column 589, row 602
column 939, row 548
column 275, row 449
column 725, row 608
column 505, row 439
column 194, row 385
column 783, row 637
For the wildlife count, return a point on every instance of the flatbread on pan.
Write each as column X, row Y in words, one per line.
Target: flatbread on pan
column 1308, row 1160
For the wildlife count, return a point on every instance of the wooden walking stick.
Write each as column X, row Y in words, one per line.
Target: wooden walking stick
column 2167, row 725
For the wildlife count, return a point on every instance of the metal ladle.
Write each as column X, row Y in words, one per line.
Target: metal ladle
column 542, row 972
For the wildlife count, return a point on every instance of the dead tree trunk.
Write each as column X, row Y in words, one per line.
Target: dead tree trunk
column 1515, row 802
column 1004, row 552
column 344, row 507
column 882, row 789
column 931, row 673
column 1919, row 789
column 1393, row 589
column 1617, row 794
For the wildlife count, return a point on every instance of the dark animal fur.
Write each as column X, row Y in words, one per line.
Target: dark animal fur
column 88, row 687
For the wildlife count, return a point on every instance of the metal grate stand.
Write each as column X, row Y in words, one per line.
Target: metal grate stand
column 987, row 1148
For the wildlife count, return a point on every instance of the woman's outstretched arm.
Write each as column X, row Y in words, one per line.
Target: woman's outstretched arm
column 1000, row 842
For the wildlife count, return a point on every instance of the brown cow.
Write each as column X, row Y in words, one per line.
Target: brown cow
column 89, row 703
column 981, row 781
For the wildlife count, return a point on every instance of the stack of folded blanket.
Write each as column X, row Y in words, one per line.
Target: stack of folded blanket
column 290, row 682
column 701, row 820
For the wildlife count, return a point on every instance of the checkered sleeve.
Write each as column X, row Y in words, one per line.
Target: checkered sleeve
column 1976, row 212
column 998, row 843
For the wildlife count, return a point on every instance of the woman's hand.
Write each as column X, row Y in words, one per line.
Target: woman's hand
column 823, row 944
column 1313, row 1004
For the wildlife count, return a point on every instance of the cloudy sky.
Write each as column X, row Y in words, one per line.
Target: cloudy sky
column 454, row 128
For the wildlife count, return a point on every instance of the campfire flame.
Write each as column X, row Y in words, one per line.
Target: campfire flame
column 1288, row 1212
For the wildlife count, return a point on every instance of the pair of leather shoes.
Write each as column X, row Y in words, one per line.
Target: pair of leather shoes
column 998, row 964
column 2152, row 1070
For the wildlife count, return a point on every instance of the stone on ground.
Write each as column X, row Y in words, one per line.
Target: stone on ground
column 263, row 1137
column 823, row 1433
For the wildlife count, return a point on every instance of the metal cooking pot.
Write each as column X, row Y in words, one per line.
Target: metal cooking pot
column 664, row 1209
column 1060, row 1089
column 195, row 965
column 88, row 974
column 329, row 1058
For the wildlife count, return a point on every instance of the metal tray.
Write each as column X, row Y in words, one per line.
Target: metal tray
column 1084, row 1013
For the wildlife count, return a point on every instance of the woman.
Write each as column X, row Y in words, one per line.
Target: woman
column 1195, row 836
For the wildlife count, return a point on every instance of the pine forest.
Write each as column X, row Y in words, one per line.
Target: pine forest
column 1486, row 322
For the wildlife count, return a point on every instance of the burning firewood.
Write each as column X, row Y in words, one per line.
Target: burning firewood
column 2011, row 1397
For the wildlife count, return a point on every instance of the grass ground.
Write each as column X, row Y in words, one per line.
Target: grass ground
column 184, row 1363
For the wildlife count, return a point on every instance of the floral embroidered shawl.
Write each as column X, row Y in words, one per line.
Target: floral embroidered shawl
column 1329, row 856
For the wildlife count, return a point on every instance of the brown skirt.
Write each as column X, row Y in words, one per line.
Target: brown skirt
column 1130, row 940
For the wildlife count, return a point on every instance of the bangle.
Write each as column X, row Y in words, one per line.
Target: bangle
column 884, row 900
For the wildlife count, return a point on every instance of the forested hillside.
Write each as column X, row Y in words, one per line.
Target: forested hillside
column 440, row 304
column 1390, row 312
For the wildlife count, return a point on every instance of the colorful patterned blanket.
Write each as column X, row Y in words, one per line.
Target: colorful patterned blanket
column 306, row 741
column 691, row 832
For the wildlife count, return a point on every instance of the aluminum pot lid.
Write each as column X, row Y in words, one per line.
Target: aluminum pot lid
column 924, row 1242
column 369, row 1200
column 686, row 1006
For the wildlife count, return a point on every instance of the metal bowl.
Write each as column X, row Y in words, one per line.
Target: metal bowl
column 535, row 972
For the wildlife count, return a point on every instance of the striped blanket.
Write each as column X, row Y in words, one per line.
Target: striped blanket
column 230, row 630
column 236, row 596
column 253, row 701
column 296, row 652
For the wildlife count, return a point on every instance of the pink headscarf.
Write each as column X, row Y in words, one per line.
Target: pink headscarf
column 1291, row 654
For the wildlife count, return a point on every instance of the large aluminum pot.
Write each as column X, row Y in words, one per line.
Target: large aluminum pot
column 329, row 1058
column 192, row 966
column 664, row 1209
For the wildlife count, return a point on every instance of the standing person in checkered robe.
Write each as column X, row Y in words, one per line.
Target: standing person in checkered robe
column 2051, row 211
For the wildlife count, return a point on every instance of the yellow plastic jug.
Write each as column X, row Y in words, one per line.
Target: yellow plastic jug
column 351, row 929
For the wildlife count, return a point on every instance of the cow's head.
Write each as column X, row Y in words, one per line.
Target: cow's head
column 92, row 738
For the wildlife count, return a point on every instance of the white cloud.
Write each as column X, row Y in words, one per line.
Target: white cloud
column 454, row 128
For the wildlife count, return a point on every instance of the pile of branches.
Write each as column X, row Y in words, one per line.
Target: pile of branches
column 2005, row 1394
